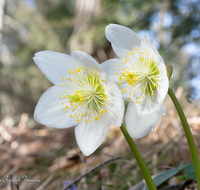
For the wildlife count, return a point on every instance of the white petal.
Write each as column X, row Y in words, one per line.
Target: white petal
column 110, row 66
column 162, row 110
column 54, row 65
column 49, row 110
column 89, row 136
column 140, row 125
column 117, row 104
column 86, row 60
column 148, row 43
column 123, row 39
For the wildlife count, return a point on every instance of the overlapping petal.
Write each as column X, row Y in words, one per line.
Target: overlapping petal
column 140, row 125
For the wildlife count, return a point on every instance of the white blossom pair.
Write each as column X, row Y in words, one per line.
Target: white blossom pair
column 85, row 96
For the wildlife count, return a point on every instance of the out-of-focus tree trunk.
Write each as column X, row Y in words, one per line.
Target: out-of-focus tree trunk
column 85, row 11
column 1, row 24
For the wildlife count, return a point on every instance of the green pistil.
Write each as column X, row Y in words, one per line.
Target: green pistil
column 152, row 79
column 145, row 71
column 93, row 98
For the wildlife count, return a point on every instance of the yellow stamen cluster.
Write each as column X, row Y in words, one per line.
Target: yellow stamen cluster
column 88, row 101
column 136, row 72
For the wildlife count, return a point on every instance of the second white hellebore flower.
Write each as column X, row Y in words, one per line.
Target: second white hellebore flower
column 82, row 95
column 141, row 75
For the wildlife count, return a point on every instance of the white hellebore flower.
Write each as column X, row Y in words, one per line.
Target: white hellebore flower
column 141, row 75
column 82, row 95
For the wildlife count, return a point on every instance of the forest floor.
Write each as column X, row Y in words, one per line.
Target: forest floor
column 39, row 157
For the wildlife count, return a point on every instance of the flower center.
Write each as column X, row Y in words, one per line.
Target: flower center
column 88, row 102
column 141, row 72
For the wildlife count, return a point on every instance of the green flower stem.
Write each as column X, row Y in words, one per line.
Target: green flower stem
column 138, row 158
column 188, row 134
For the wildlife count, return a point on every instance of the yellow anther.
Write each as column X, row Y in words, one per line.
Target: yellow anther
column 123, row 69
column 86, row 121
column 66, row 91
column 64, row 97
column 140, row 102
column 71, row 115
column 70, row 83
column 66, row 107
column 119, row 82
column 60, row 85
column 149, row 99
column 117, row 68
column 83, row 83
column 91, row 121
column 136, row 102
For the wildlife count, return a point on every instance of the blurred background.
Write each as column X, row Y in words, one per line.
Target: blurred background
column 29, row 26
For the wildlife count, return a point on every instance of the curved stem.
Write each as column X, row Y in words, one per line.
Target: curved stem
column 188, row 134
column 138, row 158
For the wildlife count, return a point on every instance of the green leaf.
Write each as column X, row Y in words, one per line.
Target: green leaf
column 164, row 176
column 189, row 172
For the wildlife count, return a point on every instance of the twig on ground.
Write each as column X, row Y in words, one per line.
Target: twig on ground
column 90, row 171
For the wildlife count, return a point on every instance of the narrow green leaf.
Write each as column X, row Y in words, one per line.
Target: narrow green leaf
column 164, row 176
column 189, row 172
